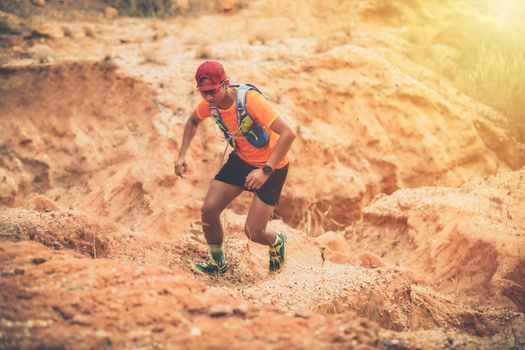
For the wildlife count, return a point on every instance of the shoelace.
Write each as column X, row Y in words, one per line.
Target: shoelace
column 275, row 259
column 275, row 250
column 275, row 253
column 210, row 263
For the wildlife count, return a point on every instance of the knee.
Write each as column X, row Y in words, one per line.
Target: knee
column 209, row 211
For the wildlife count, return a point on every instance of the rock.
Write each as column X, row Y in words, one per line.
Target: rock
column 370, row 260
column 196, row 332
column 67, row 32
column 138, row 333
column 38, row 261
column 304, row 313
column 36, row 323
column 266, row 300
column 110, row 12
column 64, row 312
column 81, row 320
column 241, row 310
column 42, row 53
column 24, row 295
column 101, row 333
column 12, row 24
column 227, row 5
column 220, row 310
column 39, row 3
column 334, row 248
column 180, row 5
column 13, row 234
column 104, row 336
column 88, row 31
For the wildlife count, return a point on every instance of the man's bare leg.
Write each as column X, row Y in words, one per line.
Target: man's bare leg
column 219, row 195
column 255, row 227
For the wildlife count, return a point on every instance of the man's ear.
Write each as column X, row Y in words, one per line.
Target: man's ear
column 227, row 82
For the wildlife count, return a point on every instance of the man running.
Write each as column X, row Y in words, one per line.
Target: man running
column 258, row 163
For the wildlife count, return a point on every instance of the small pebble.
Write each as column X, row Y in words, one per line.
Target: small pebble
column 196, row 332
column 38, row 261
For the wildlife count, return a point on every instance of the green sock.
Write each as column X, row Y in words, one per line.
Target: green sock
column 278, row 240
column 217, row 253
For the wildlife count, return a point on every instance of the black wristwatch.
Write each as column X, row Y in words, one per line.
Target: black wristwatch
column 268, row 170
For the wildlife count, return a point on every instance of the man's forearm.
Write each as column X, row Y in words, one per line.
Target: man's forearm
column 281, row 148
column 189, row 132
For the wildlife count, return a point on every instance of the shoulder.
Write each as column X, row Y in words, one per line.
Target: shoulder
column 203, row 109
column 260, row 108
column 254, row 97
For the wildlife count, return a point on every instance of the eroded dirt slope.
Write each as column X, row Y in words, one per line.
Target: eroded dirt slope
column 376, row 283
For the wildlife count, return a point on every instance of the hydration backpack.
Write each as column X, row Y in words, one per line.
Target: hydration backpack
column 252, row 131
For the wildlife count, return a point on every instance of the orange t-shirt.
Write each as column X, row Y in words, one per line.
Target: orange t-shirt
column 263, row 114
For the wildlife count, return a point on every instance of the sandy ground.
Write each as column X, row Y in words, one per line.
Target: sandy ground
column 404, row 207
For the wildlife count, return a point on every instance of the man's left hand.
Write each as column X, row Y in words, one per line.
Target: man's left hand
column 255, row 179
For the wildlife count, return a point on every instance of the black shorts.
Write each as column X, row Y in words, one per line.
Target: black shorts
column 235, row 170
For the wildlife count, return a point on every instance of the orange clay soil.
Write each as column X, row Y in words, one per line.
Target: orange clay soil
column 404, row 206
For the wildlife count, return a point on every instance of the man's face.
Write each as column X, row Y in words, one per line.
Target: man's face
column 212, row 93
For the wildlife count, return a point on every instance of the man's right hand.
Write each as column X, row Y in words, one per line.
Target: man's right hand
column 181, row 167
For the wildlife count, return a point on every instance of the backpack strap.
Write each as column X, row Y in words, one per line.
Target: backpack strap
column 240, row 100
column 216, row 115
column 254, row 133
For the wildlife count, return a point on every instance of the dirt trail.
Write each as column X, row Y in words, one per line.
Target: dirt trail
column 404, row 206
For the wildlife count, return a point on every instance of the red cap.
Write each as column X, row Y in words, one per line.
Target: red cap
column 211, row 70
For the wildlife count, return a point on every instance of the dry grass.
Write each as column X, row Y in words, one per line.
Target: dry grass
column 481, row 49
column 311, row 216
column 497, row 76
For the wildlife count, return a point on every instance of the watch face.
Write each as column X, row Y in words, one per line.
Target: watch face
column 267, row 170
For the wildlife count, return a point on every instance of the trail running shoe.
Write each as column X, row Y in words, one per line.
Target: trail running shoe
column 276, row 263
column 210, row 267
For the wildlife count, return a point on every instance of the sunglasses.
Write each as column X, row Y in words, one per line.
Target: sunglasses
column 207, row 90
